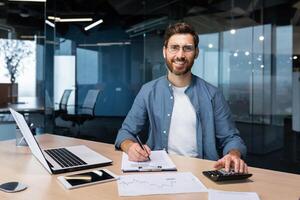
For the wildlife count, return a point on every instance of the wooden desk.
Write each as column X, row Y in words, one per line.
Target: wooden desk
column 18, row 164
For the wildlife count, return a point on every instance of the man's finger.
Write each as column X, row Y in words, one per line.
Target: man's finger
column 236, row 165
column 219, row 164
column 227, row 163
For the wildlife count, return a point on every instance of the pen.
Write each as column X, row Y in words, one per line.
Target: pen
column 141, row 145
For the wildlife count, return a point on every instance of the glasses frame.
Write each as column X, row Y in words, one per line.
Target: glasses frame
column 175, row 48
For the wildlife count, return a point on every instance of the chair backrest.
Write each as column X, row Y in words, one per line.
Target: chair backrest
column 63, row 104
column 88, row 106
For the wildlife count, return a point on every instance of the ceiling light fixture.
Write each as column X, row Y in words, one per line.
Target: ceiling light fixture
column 210, row 45
column 105, row 44
column 58, row 19
column 75, row 19
column 261, row 38
column 232, row 31
column 93, row 25
column 50, row 23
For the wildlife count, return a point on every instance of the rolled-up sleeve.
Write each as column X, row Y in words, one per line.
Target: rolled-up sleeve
column 134, row 121
column 228, row 137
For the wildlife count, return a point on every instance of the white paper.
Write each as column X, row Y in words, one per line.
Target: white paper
column 159, row 183
column 159, row 161
column 225, row 195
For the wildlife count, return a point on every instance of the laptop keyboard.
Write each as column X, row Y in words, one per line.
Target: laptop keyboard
column 64, row 157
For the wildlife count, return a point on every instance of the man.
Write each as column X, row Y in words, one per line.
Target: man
column 186, row 115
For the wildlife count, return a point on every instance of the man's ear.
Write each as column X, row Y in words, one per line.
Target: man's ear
column 164, row 52
column 196, row 53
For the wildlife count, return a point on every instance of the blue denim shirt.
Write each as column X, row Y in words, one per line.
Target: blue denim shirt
column 216, row 131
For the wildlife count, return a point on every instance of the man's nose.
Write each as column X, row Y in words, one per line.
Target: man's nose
column 180, row 53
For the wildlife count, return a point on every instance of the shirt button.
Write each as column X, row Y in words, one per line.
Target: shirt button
column 169, row 115
column 170, row 85
column 165, row 132
column 171, row 97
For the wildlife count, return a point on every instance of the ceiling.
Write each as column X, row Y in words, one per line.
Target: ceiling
column 208, row 15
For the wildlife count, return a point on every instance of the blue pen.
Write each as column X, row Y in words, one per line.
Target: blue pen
column 141, row 144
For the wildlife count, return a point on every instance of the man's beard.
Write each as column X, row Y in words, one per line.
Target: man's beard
column 179, row 73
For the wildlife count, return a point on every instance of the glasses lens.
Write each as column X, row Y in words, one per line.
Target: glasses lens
column 188, row 48
column 185, row 48
column 174, row 48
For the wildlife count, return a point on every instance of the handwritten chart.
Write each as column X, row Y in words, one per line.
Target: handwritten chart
column 159, row 183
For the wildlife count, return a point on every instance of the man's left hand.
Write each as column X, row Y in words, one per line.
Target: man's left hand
column 232, row 160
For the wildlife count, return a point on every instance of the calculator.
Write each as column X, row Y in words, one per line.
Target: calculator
column 222, row 175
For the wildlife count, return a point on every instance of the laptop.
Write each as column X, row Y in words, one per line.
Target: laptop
column 63, row 159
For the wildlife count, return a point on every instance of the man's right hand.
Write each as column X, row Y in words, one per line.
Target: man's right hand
column 135, row 152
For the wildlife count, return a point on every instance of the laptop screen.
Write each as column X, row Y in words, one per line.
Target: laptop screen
column 27, row 134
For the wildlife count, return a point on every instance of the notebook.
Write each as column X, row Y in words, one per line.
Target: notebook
column 63, row 159
column 160, row 161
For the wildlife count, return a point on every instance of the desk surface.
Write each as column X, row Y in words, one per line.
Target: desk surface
column 18, row 164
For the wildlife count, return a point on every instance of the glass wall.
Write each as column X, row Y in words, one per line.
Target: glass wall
column 248, row 49
column 22, row 42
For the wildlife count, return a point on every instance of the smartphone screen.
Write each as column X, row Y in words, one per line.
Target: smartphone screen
column 88, row 177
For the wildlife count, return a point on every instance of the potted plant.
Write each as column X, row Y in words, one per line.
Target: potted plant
column 13, row 52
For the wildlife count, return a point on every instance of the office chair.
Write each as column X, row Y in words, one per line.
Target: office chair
column 63, row 104
column 62, row 109
column 85, row 112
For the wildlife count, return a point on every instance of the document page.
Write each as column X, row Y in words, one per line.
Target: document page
column 159, row 183
column 160, row 161
column 225, row 195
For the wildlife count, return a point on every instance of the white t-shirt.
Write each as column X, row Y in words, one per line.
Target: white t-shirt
column 182, row 134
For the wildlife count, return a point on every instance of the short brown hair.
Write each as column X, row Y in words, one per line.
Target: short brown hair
column 180, row 28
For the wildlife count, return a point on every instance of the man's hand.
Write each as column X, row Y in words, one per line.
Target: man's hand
column 135, row 152
column 232, row 160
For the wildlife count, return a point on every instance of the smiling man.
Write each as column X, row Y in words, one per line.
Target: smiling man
column 186, row 115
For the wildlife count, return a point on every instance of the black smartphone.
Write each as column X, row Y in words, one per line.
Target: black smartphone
column 87, row 178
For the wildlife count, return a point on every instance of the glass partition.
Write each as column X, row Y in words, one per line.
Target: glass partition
column 248, row 49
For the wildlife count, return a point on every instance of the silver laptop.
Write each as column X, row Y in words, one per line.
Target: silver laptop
column 63, row 159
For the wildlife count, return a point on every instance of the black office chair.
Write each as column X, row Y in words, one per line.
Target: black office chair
column 85, row 112
column 62, row 110
column 63, row 104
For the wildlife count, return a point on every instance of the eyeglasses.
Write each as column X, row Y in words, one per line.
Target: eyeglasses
column 175, row 48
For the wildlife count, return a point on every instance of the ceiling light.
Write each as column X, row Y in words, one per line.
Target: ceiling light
column 210, row 45
column 50, row 23
column 247, row 53
column 261, row 38
column 295, row 57
column 232, row 31
column 58, row 19
column 235, row 54
column 93, row 24
column 105, row 44
column 262, row 66
column 2, row 4
column 32, row 37
column 75, row 19
column 113, row 43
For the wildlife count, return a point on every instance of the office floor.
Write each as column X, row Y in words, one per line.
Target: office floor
column 285, row 159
